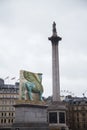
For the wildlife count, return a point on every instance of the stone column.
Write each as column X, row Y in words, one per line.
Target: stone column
column 55, row 64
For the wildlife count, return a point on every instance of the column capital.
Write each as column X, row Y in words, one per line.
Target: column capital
column 54, row 38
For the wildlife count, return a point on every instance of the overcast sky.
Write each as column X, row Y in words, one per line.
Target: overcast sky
column 25, row 26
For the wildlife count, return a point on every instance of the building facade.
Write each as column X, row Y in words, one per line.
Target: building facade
column 76, row 113
column 8, row 96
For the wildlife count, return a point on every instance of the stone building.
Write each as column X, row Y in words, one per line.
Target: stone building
column 76, row 113
column 8, row 95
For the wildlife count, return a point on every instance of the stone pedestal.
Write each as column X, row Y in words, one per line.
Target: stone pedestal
column 30, row 117
column 57, row 116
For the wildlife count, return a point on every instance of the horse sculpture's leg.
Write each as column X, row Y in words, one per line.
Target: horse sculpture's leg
column 29, row 88
column 29, row 94
column 40, row 95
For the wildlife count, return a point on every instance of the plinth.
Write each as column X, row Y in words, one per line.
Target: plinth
column 30, row 116
column 57, row 116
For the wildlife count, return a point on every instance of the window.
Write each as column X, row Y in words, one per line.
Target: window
column 4, row 120
column 1, row 120
column 61, row 117
column 2, row 114
column 12, row 120
column 78, row 119
column 52, row 117
column 74, row 102
column 9, row 121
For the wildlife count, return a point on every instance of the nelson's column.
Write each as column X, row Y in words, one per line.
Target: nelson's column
column 55, row 64
column 56, row 110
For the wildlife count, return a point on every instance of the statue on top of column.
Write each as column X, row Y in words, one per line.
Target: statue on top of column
column 54, row 29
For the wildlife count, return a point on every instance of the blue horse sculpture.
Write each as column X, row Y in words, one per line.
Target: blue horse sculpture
column 32, row 84
column 31, row 88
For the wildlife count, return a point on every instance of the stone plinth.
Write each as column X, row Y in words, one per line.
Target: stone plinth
column 57, row 116
column 30, row 117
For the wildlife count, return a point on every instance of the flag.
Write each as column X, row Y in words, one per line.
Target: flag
column 13, row 78
column 18, row 79
column 6, row 78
